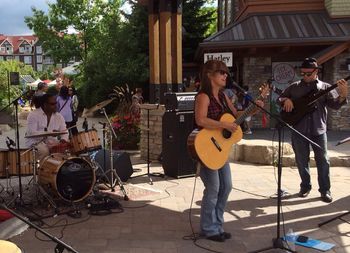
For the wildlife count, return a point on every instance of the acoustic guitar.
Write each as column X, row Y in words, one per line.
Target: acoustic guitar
column 305, row 105
column 211, row 147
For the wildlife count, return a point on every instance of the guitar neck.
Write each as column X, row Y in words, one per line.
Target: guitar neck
column 324, row 92
column 246, row 113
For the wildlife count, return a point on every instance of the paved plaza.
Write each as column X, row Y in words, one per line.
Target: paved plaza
column 158, row 217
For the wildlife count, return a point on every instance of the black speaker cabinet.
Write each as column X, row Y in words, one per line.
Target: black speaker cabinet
column 175, row 158
column 121, row 164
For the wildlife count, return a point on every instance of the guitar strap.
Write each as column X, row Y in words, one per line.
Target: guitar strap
column 224, row 103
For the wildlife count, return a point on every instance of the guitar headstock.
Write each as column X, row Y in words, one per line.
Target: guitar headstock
column 264, row 90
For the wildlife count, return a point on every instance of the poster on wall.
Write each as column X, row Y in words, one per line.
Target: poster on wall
column 284, row 73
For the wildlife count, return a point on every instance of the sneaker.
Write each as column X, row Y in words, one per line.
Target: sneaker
column 326, row 197
column 248, row 132
column 226, row 235
column 217, row 238
column 303, row 193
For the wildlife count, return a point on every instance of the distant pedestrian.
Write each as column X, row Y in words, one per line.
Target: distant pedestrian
column 64, row 105
column 137, row 100
column 41, row 90
column 75, row 103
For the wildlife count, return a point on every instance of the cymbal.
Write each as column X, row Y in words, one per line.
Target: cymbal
column 45, row 134
column 90, row 111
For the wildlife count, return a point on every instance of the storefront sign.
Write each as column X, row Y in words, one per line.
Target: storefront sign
column 225, row 57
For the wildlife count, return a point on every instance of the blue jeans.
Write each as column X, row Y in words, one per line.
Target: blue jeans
column 218, row 186
column 301, row 149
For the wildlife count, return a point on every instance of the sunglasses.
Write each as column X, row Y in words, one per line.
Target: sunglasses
column 307, row 73
column 221, row 72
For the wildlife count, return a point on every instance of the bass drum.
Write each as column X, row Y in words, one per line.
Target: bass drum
column 71, row 178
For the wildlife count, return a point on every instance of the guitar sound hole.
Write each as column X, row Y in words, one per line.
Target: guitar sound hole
column 227, row 134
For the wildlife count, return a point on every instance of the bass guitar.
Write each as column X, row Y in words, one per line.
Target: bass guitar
column 212, row 146
column 305, row 105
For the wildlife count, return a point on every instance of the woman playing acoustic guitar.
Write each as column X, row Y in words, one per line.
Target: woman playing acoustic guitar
column 210, row 104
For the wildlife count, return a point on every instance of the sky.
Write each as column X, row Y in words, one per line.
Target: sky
column 12, row 13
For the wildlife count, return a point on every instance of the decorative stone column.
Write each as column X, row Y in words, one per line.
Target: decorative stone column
column 155, row 130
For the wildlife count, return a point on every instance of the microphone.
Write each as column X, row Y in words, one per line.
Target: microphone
column 85, row 125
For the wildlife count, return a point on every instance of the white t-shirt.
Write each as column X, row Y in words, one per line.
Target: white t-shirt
column 37, row 124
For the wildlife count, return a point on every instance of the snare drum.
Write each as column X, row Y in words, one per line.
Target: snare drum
column 86, row 141
column 71, row 178
column 26, row 162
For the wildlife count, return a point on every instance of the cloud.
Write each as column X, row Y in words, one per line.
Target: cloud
column 12, row 13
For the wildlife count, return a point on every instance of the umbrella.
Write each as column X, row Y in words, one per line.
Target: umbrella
column 34, row 84
column 72, row 69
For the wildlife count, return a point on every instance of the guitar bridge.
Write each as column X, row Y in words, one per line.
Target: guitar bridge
column 216, row 143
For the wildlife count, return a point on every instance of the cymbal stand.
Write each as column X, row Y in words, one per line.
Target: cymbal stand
column 114, row 178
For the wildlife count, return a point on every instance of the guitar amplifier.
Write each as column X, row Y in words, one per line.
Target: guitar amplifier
column 180, row 101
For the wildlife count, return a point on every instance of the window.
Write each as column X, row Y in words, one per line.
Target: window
column 39, row 50
column 39, row 58
column 39, row 67
column 1, row 58
column 17, row 57
column 21, row 49
column 28, row 48
column 9, row 49
column 27, row 59
column 8, row 58
column 2, row 49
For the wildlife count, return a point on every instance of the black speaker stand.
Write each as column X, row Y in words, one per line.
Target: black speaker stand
column 148, row 108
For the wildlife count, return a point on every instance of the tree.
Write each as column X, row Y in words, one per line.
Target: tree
column 121, row 57
column 5, row 68
column 83, row 16
column 198, row 20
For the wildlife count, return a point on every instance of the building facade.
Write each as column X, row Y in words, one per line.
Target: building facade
column 27, row 49
column 267, row 39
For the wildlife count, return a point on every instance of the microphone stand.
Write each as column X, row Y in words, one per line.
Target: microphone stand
column 18, row 160
column 278, row 241
column 60, row 244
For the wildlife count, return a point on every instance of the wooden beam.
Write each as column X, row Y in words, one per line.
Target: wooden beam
column 176, row 39
column 330, row 52
column 153, row 30
column 165, row 41
column 257, row 6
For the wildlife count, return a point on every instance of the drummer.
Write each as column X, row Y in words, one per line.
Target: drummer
column 45, row 119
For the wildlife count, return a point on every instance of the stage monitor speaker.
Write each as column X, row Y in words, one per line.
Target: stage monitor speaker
column 121, row 164
column 176, row 127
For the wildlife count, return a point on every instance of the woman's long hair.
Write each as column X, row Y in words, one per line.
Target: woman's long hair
column 64, row 92
column 210, row 67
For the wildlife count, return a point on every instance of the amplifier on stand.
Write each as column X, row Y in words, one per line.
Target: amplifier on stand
column 180, row 101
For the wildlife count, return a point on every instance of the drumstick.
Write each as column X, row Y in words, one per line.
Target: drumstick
column 29, row 149
column 71, row 127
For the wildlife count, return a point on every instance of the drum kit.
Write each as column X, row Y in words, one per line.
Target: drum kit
column 69, row 171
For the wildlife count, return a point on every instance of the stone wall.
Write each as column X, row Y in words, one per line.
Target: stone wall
column 155, row 134
column 257, row 71
column 334, row 70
